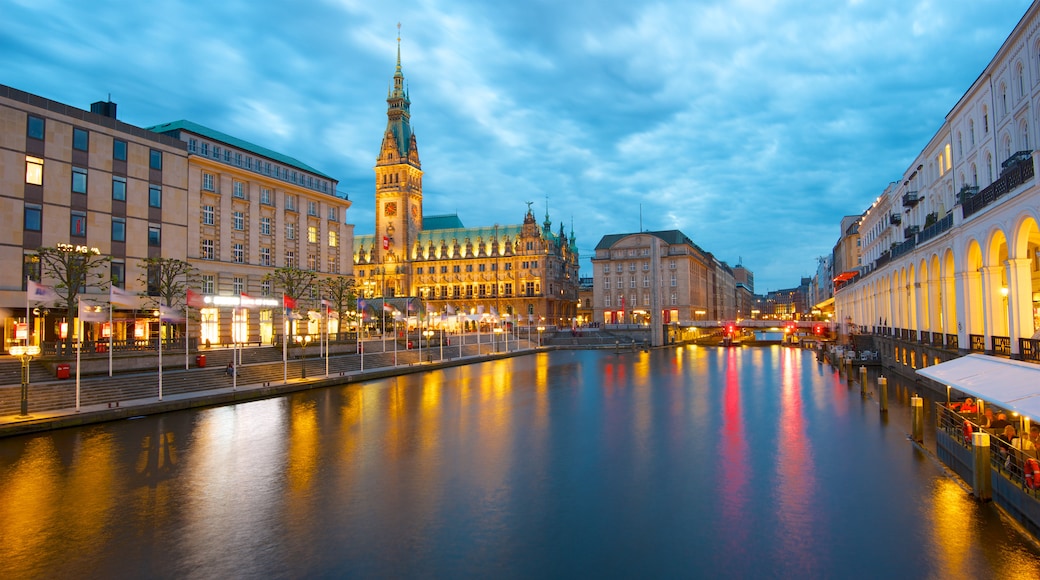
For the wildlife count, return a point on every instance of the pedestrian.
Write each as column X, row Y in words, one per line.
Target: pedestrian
column 230, row 370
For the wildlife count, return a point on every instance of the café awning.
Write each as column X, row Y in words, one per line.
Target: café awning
column 1009, row 384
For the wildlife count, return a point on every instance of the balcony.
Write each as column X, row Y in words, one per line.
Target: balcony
column 910, row 199
column 911, row 231
column 1009, row 179
column 967, row 192
column 895, row 219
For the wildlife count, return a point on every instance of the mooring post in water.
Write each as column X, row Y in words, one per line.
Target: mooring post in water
column 882, row 384
column 982, row 485
column 863, row 380
column 917, row 418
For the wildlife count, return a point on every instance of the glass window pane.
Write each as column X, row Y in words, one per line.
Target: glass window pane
column 155, row 159
column 35, row 127
column 119, row 188
column 79, row 139
column 119, row 150
column 33, row 218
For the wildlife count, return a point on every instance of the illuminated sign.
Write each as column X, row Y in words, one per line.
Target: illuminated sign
column 241, row 301
column 78, row 249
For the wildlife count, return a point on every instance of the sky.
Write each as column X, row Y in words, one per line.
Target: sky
column 752, row 126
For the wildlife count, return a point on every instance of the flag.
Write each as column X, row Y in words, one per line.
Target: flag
column 42, row 294
column 450, row 309
column 410, row 306
column 386, row 243
column 90, row 312
column 195, row 300
column 388, row 307
column 288, row 301
column 119, row 297
column 170, row 314
column 246, row 301
column 362, row 304
column 314, row 315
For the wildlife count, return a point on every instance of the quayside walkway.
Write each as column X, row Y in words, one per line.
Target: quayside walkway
column 262, row 374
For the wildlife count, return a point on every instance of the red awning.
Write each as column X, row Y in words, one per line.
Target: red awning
column 845, row 276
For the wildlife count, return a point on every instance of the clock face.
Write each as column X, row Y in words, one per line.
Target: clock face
column 390, row 209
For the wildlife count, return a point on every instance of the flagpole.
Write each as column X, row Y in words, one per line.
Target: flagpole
column 395, row 342
column 234, row 356
column 326, row 340
column 110, row 325
column 187, row 335
column 160, row 353
column 285, row 345
column 27, row 322
column 79, row 343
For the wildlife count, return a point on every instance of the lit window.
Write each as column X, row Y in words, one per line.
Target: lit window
column 34, row 170
column 333, row 239
column 312, row 234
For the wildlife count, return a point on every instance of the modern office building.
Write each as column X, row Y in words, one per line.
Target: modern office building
column 950, row 249
column 250, row 211
column 84, row 181
column 525, row 272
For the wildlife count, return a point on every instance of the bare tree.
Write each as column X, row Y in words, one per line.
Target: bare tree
column 293, row 282
column 167, row 280
column 72, row 268
column 340, row 292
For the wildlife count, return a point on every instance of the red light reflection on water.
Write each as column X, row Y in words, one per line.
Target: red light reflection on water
column 795, row 472
column 736, row 473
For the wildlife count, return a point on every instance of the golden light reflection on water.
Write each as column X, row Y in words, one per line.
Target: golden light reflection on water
column 29, row 492
column 950, row 514
column 93, row 468
column 304, row 444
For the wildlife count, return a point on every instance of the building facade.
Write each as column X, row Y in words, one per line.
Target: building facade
column 526, row 273
column 642, row 276
column 250, row 211
column 951, row 248
column 78, row 179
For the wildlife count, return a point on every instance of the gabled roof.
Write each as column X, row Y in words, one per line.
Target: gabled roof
column 174, row 127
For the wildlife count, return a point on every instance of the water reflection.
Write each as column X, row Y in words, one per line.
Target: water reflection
column 731, row 462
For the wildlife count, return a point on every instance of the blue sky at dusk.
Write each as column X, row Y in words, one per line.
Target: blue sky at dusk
column 751, row 125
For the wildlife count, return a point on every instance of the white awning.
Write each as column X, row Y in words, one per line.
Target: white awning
column 1010, row 384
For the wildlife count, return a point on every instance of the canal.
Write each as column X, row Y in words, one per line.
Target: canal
column 681, row 462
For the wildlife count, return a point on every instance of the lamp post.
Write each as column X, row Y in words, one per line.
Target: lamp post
column 25, row 354
column 541, row 329
column 428, row 334
column 497, row 333
column 303, row 341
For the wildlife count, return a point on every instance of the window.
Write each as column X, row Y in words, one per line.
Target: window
column 33, row 217
column 238, row 284
column 79, row 180
column 290, row 202
column 971, row 132
column 207, row 181
column 207, row 215
column 119, row 149
column 30, row 268
column 444, row 269
column 469, row 267
column 204, row 148
column 333, row 239
column 312, row 262
column 334, row 264
column 79, row 225
column 456, row 269
column 154, row 236
column 238, row 159
column 265, row 226
column 481, row 267
column 238, row 253
column 35, row 127
column 646, row 281
column 33, row 170
column 154, row 196
column 985, row 120
column 207, row 283
column 290, row 231
column 290, row 259
column 606, row 301
column 265, row 196
column 118, row 274
column 265, row 288
column 619, row 268
column 675, row 299
column 265, row 256
column 312, row 234
column 155, row 159
column 606, row 283
column 509, row 266
column 674, row 281
column 118, row 229
column 238, row 220
column 312, row 208
column 238, row 190
column 119, row 188
column 207, row 250
column 333, row 214
column 80, row 139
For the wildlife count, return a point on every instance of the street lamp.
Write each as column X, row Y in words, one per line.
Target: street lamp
column 540, row 330
column 428, row 334
column 498, row 332
column 303, row 341
column 25, row 354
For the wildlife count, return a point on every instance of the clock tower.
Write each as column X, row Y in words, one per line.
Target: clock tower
column 398, row 190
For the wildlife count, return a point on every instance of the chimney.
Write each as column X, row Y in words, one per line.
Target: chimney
column 104, row 108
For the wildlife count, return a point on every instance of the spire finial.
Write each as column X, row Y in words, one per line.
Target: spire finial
column 398, row 46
